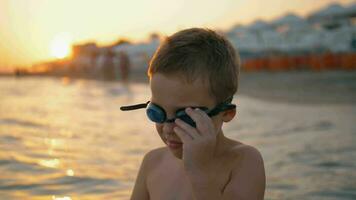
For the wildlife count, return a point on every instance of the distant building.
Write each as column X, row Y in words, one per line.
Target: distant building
column 330, row 29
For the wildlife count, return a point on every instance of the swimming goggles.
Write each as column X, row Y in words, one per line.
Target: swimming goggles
column 158, row 115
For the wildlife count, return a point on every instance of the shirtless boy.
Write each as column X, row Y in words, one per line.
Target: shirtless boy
column 193, row 78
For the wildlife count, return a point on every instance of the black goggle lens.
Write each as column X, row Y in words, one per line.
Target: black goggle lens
column 156, row 114
column 187, row 120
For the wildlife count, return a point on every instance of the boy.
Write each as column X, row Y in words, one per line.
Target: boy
column 193, row 77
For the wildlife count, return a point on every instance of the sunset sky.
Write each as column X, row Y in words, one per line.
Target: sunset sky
column 37, row 30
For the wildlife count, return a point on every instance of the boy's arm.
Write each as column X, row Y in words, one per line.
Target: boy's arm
column 248, row 180
column 140, row 191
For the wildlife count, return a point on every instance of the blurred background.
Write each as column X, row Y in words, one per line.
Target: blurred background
column 67, row 66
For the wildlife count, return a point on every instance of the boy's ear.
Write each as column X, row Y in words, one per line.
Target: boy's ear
column 229, row 115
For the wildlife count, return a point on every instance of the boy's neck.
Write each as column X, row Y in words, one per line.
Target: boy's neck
column 222, row 143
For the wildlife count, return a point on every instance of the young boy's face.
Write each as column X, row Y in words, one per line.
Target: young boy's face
column 172, row 93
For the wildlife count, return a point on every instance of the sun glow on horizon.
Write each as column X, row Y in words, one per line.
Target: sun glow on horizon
column 105, row 22
column 61, row 46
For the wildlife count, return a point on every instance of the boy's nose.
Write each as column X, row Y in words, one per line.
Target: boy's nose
column 168, row 127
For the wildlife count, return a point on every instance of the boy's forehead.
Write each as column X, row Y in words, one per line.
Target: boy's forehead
column 176, row 89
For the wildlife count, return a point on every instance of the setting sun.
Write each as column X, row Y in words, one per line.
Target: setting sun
column 60, row 46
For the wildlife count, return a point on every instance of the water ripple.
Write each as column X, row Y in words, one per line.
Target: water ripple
column 20, row 122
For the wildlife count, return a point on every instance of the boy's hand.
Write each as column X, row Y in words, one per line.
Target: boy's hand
column 198, row 143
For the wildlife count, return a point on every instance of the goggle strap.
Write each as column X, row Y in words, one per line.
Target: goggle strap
column 134, row 107
column 220, row 109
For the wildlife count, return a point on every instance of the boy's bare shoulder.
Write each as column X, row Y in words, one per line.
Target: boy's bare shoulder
column 156, row 153
column 246, row 154
column 248, row 178
column 153, row 157
column 245, row 150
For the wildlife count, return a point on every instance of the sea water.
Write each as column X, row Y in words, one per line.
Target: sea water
column 67, row 139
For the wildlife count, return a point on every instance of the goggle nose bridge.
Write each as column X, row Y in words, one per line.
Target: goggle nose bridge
column 170, row 120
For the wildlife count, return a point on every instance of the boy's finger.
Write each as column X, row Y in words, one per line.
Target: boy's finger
column 201, row 121
column 207, row 126
column 187, row 128
column 185, row 137
column 203, row 114
column 194, row 115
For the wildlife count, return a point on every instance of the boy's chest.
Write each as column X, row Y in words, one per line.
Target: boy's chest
column 170, row 183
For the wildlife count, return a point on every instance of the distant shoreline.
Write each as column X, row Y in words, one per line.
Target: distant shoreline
column 301, row 87
column 298, row 87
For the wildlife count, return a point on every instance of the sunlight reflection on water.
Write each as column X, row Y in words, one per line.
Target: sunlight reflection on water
column 65, row 139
